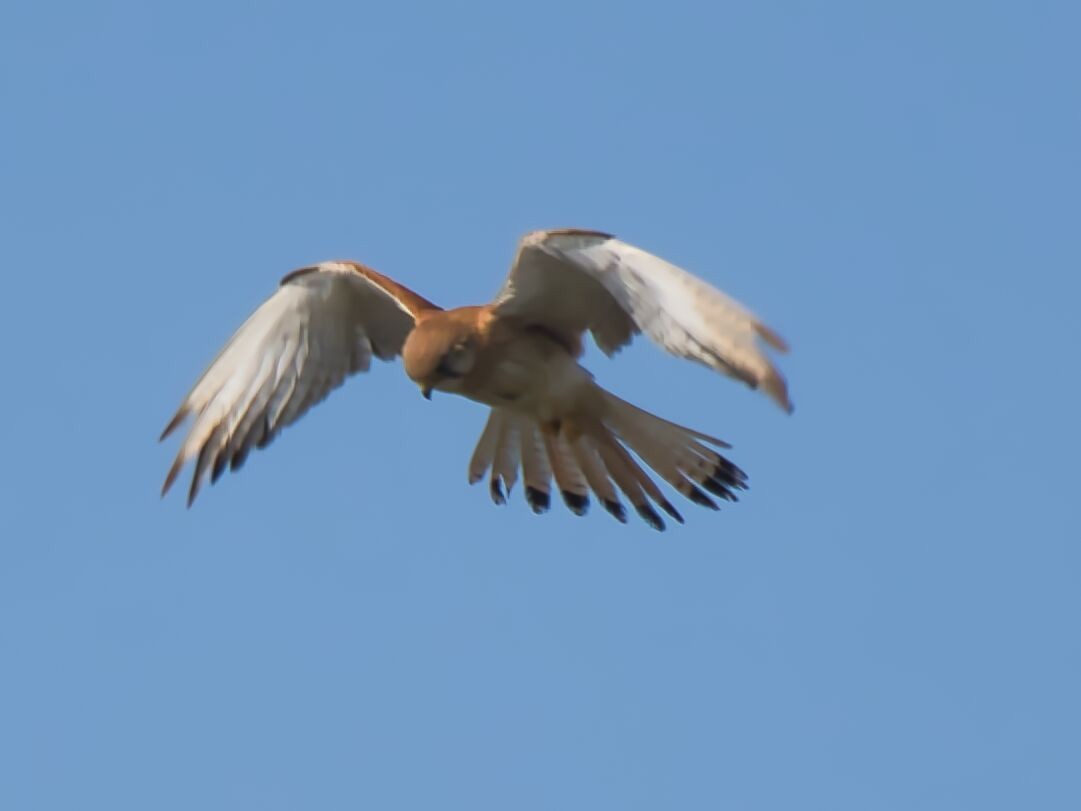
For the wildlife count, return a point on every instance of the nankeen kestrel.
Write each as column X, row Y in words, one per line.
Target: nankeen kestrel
column 517, row 355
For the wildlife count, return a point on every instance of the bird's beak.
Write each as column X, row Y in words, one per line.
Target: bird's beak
column 426, row 391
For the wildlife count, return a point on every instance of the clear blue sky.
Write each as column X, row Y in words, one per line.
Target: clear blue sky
column 889, row 620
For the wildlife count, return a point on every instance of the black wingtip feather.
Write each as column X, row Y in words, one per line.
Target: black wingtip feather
column 698, row 497
column 666, row 505
column 616, row 509
column 724, row 479
column 726, row 471
column 495, row 487
column 238, row 459
column 649, row 515
column 174, row 471
column 266, row 435
column 178, row 418
column 719, row 489
column 219, row 467
column 538, row 500
column 576, row 502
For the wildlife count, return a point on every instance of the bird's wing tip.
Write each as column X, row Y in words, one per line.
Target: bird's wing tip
column 771, row 337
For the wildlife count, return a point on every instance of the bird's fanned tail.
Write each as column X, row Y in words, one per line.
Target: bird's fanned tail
column 592, row 455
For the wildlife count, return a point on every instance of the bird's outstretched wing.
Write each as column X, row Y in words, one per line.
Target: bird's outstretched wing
column 321, row 325
column 568, row 281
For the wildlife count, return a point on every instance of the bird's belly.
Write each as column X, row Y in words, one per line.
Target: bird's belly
column 528, row 379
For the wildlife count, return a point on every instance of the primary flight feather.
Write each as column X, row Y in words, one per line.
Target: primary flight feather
column 518, row 355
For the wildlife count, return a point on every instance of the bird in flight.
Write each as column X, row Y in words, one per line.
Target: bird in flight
column 518, row 355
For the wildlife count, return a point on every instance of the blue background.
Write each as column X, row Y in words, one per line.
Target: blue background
column 889, row 620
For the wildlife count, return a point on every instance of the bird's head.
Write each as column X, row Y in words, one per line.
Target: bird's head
column 439, row 352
